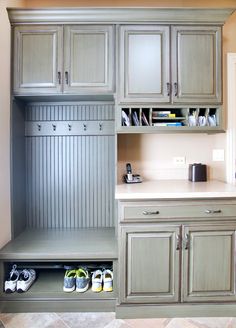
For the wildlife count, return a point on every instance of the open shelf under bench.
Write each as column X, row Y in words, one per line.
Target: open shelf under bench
column 49, row 284
column 49, row 252
column 62, row 244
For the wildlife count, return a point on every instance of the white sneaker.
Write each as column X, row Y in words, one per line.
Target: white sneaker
column 107, row 280
column 97, row 281
column 26, row 279
column 10, row 283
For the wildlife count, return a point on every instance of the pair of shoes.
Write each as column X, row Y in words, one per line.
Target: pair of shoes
column 76, row 280
column 19, row 281
column 102, row 280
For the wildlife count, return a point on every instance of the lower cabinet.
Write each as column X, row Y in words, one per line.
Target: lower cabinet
column 176, row 263
column 209, row 263
column 149, row 264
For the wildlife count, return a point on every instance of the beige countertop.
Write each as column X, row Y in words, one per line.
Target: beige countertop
column 175, row 189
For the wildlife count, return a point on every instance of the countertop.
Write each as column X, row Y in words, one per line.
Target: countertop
column 175, row 189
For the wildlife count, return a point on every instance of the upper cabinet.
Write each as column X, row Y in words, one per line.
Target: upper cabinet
column 82, row 64
column 144, row 63
column 88, row 64
column 163, row 66
column 170, row 64
column 196, row 64
column 37, row 59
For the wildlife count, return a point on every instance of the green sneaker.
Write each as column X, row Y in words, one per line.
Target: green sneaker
column 82, row 280
column 69, row 281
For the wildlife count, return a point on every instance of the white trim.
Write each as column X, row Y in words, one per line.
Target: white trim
column 231, row 119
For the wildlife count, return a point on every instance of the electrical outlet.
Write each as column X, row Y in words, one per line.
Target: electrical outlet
column 179, row 160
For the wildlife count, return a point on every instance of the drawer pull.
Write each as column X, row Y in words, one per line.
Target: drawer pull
column 212, row 211
column 150, row 213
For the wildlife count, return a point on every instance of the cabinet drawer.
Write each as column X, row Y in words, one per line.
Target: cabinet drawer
column 151, row 211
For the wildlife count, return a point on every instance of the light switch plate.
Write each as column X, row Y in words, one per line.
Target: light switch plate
column 218, row 155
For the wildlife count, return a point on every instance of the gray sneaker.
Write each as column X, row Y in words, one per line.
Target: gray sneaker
column 82, row 280
column 69, row 281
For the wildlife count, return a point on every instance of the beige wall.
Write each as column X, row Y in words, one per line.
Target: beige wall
column 126, row 3
column 150, row 154
column 5, row 120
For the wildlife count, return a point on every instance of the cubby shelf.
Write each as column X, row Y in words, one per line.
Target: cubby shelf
column 154, row 119
column 49, row 284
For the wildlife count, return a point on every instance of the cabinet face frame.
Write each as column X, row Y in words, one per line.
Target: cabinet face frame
column 130, row 237
column 183, row 77
column 95, row 31
column 53, row 86
column 193, row 263
column 125, row 93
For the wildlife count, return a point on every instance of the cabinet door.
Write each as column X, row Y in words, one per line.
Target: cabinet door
column 37, row 59
column 144, row 64
column 196, row 64
column 149, row 259
column 89, row 59
column 209, row 261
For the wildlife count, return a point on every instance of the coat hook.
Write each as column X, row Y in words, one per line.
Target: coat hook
column 69, row 127
column 39, row 127
column 54, row 127
column 85, row 126
column 100, row 126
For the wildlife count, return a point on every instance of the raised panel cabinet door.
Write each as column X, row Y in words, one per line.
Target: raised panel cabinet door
column 37, row 59
column 89, row 59
column 196, row 64
column 144, row 71
column 209, row 263
column 149, row 258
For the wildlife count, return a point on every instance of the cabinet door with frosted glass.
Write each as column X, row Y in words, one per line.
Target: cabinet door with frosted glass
column 144, row 63
column 89, row 59
column 37, row 59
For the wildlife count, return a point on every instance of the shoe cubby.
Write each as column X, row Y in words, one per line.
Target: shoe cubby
column 138, row 119
column 49, row 286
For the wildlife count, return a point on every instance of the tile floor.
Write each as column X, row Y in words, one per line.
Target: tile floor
column 105, row 320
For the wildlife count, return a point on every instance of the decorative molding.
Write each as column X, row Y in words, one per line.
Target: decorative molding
column 119, row 15
column 231, row 119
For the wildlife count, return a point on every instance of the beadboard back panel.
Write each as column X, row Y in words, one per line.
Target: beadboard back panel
column 70, row 178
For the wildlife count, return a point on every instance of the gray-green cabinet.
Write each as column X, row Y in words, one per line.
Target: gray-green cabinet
column 144, row 63
column 196, row 64
column 209, row 263
column 177, row 251
column 81, row 62
column 149, row 264
column 37, row 55
column 170, row 64
column 89, row 58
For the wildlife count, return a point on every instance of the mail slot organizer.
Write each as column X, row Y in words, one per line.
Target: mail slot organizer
column 194, row 117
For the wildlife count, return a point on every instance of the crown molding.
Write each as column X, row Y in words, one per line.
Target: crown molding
column 119, row 15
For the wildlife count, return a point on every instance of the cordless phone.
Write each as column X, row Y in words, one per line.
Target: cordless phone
column 129, row 177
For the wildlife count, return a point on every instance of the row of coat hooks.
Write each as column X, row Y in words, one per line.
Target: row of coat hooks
column 70, row 128
column 54, row 126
